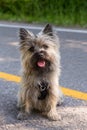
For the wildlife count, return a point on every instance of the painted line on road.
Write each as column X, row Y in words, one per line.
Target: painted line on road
column 9, row 77
column 74, row 93
column 39, row 28
column 66, row 91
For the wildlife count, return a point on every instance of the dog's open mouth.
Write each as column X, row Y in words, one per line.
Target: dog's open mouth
column 41, row 63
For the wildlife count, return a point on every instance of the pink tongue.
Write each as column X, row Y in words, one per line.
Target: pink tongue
column 41, row 63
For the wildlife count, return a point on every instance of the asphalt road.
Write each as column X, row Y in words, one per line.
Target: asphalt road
column 73, row 48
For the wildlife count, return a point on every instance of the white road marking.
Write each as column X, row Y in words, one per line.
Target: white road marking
column 39, row 28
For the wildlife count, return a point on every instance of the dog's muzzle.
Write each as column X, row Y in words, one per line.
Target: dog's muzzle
column 39, row 61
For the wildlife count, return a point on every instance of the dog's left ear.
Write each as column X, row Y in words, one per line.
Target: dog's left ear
column 48, row 30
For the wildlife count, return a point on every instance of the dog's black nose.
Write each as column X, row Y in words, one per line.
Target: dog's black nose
column 42, row 53
column 39, row 54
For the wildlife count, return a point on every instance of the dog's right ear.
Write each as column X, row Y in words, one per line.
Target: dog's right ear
column 24, row 34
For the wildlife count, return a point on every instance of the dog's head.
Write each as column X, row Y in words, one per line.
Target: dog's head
column 39, row 52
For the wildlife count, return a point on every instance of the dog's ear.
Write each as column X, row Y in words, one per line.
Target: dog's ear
column 48, row 30
column 23, row 34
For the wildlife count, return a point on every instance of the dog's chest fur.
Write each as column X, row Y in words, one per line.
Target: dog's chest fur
column 39, row 92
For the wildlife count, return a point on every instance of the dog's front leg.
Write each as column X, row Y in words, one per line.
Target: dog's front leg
column 24, row 112
column 52, row 113
column 24, row 105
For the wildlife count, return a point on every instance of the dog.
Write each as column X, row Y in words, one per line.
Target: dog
column 40, row 60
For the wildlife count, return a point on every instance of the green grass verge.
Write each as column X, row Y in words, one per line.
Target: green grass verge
column 58, row 12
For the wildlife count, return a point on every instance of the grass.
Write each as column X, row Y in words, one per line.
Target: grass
column 58, row 12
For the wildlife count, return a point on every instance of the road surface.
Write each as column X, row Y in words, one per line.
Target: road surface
column 73, row 48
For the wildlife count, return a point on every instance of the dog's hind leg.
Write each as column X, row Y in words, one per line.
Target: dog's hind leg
column 60, row 97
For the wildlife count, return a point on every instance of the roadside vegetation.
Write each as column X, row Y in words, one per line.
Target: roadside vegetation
column 58, row 12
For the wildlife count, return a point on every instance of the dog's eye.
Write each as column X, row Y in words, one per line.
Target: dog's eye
column 45, row 46
column 31, row 49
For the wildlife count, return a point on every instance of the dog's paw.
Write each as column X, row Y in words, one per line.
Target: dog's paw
column 22, row 116
column 53, row 116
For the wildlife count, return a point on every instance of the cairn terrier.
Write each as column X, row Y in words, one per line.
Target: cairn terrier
column 40, row 59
